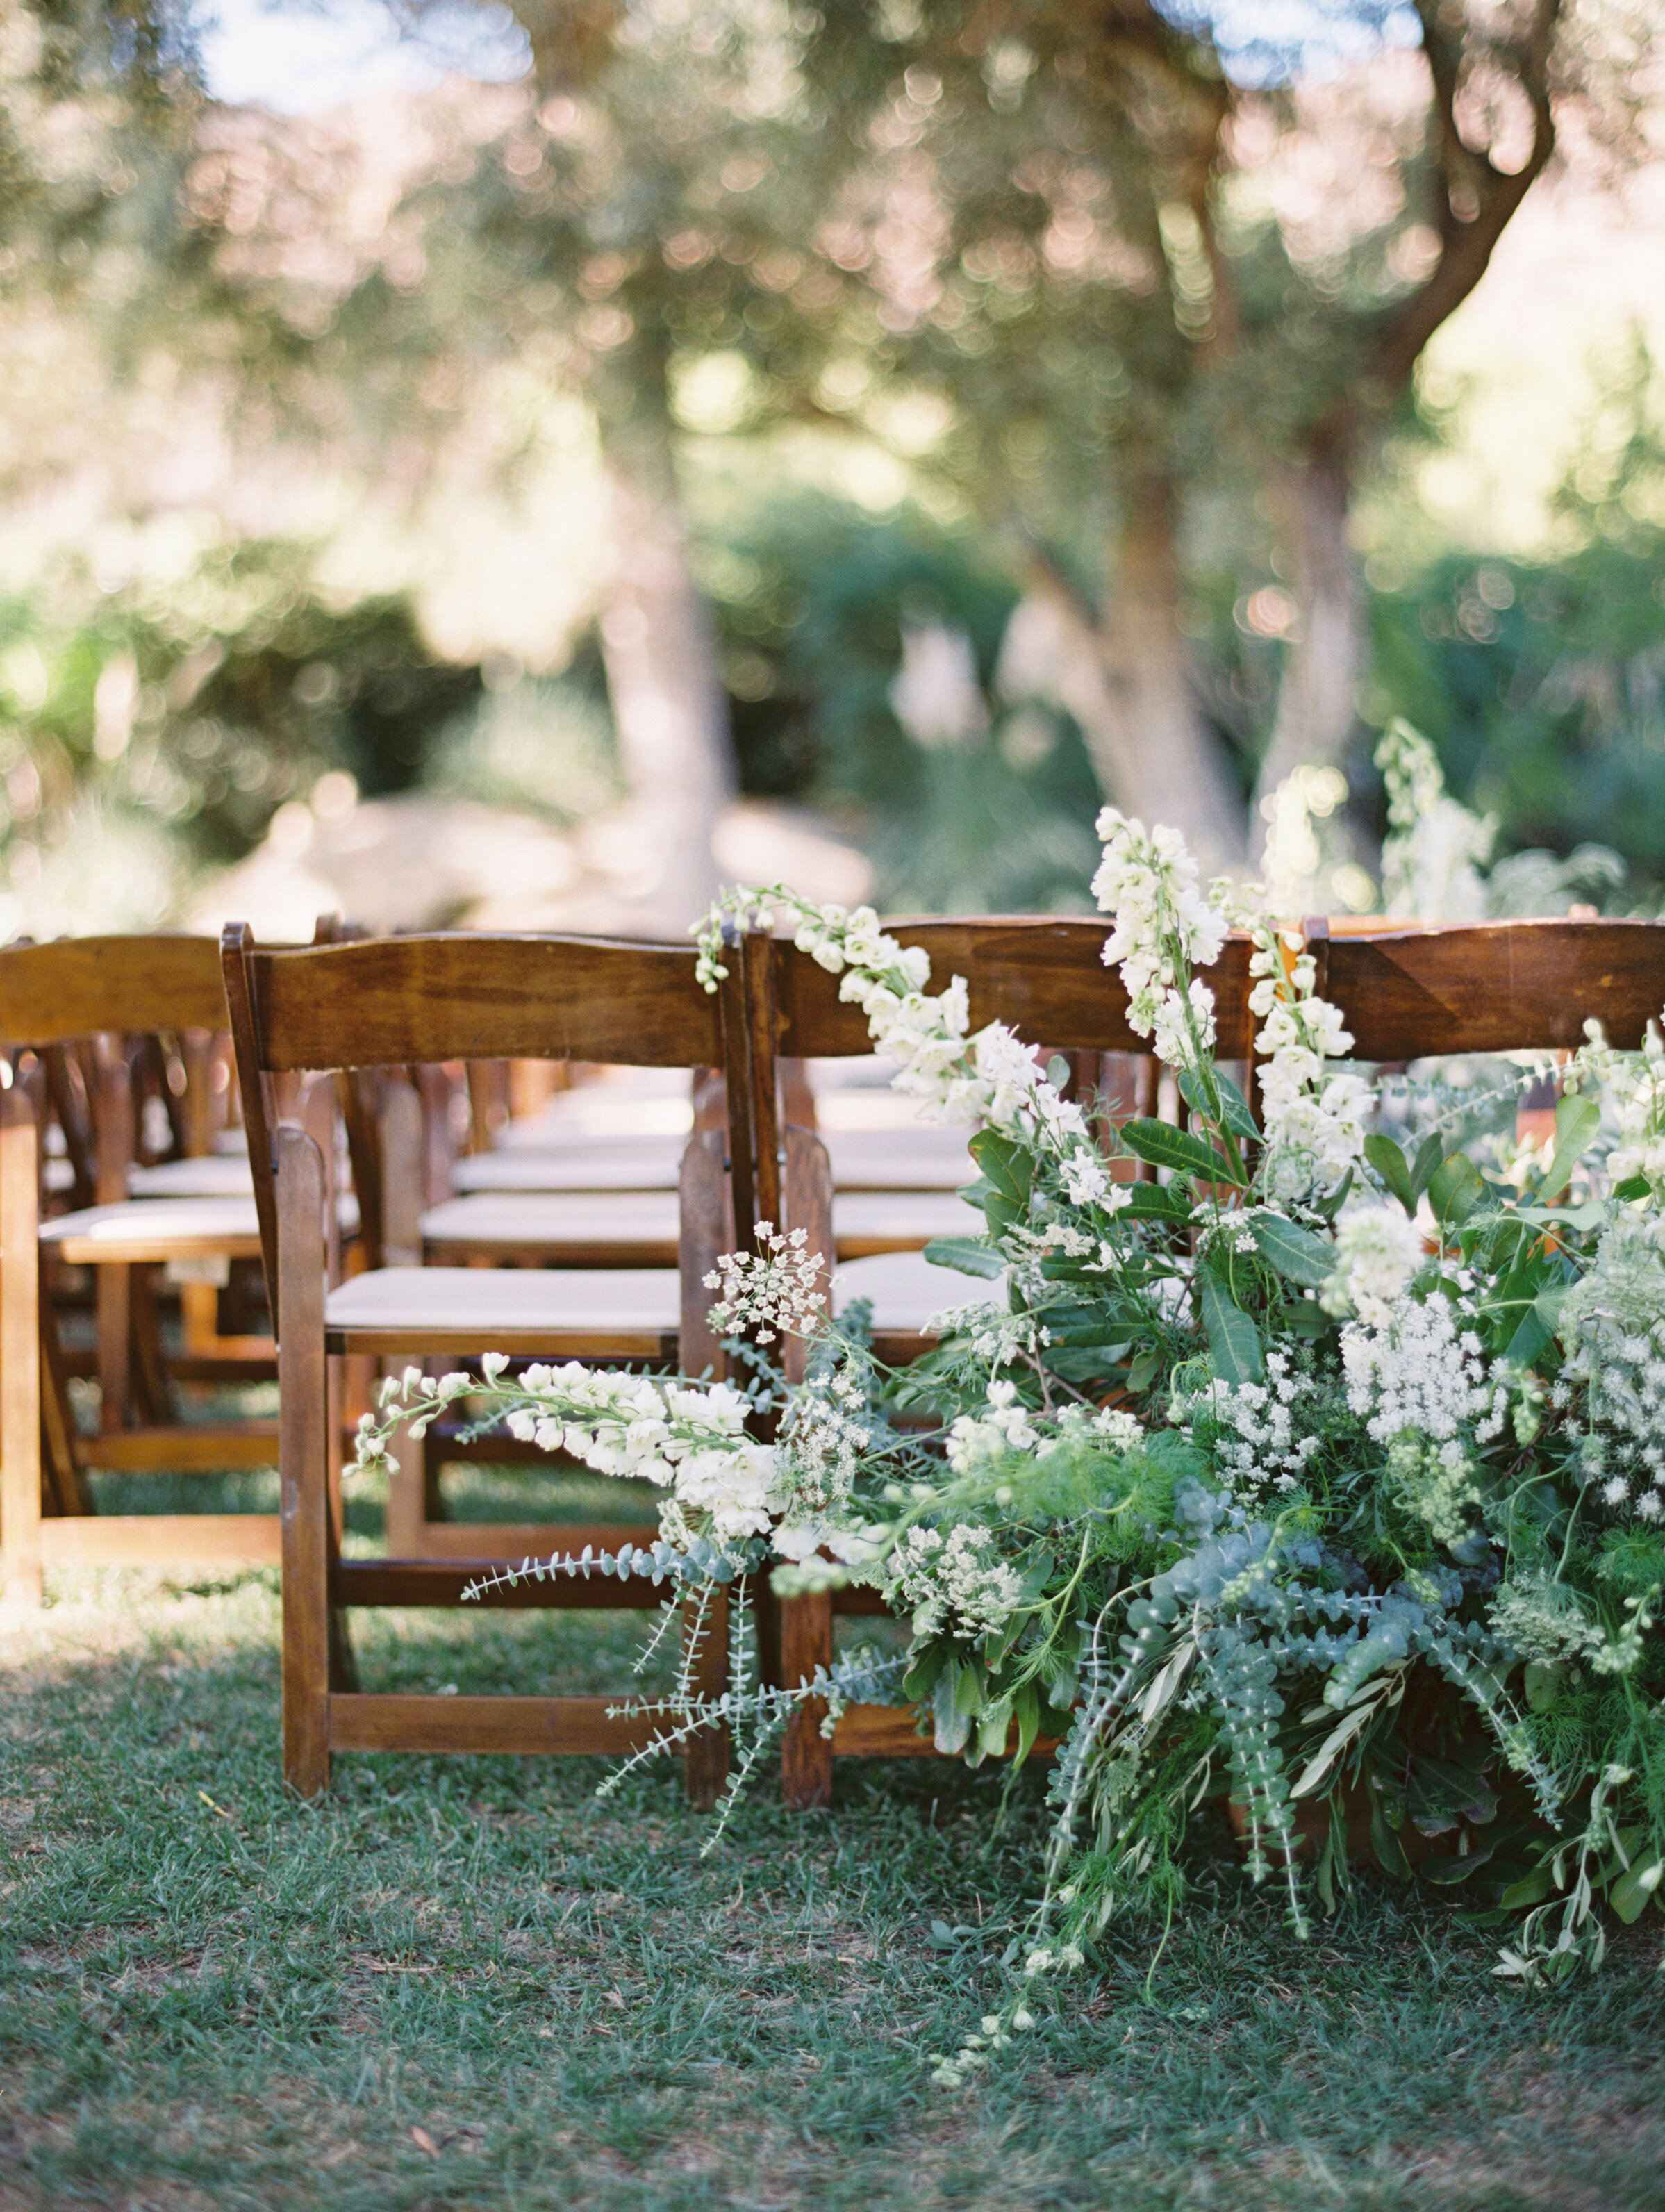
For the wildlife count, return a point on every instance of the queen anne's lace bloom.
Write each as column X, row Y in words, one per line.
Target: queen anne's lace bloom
column 954, row 1580
column 1419, row 1371
column 774, row 1290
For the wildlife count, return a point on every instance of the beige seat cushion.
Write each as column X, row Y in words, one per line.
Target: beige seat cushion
column 216, row 1175
column 639, row 1164
column 907, row 1290
column 140, row 1229
column 483, row 1299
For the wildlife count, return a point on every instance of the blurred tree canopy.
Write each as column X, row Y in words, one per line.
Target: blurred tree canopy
column 1128, row 300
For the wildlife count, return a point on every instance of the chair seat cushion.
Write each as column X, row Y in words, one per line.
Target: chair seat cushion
column 908, row 1291
column 140, row 1229
column 215, row 1175
column 648, row 1164
column 553, row 1217
column 481, row 1299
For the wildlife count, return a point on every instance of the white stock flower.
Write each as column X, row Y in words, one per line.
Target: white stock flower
column 1377, row 1251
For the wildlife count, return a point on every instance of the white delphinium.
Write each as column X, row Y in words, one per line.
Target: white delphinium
column 1315, row 1124
column 954, row 1580
column 774, row 1290
column 1419, row 1371
column 1614, row 1325
column 1634, row 1089
column 1164, row 927
column 990, row 1076
column 1378, row 1249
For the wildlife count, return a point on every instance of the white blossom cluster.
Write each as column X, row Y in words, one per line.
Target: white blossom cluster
column 1263, row 1438
column 1420, row 1371
column 990, row 1077
column 1315, row 1124
column 1165, row 926
column 1378, row 1249
column 689, row 1440
column 954, row 1582
column 1614, row 1325
column 1637, row 1094
column 774, row 1290
column 823, row 1436
column 1003, row 1425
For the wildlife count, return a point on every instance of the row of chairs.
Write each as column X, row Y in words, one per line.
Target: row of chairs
column 308, row 1023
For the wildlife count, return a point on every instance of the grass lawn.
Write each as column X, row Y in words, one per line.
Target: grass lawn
column 465, row 1982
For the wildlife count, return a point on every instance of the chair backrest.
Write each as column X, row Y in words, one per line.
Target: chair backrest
column 129, row 986
column 402, row 1001
column 56, row 998
column 1411, row 993
column 1045, row 979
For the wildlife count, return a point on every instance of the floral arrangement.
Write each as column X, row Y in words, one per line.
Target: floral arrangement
column 1305, row 1459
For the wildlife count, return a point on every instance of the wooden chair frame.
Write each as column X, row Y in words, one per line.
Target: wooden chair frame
column 394, row 1003
column 100, row 1003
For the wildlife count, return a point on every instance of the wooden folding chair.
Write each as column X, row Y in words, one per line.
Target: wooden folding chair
column 82, row 1019
column 407, row 1000
column 1047, row 981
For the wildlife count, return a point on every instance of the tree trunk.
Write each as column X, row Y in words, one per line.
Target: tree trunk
column 1317, row 695
column 660, row 652
column 1125, row 680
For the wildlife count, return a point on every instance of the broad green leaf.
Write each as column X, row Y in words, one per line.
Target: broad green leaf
column 1577, row 1121
column 1295, row 1252
column 1145, row 1369
column 994, row 1727
column 1233, row 1338
column 952, row 1726
column 970, row 1256
column 1166, row 1147
column 1172, row 1202
column 1235, row 1112
column 1338, row 1198
column 1455, row 1189
column 1631, row 1894
column 1429, row 1154
column 1006, row 1162
column 1026, row 1711
column 1058, row 1071
column 1635, row 1186
column 1531, row 1889
column 1391, row 1165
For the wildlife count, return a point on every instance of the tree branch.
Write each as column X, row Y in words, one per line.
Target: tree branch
column 1466, row 241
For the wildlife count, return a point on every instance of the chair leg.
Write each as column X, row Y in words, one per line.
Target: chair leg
column 806, row 1756
column 705, row 1650
column 304, row 1460
column 20, row 1353
column 147, row 1375
column 63, row 1483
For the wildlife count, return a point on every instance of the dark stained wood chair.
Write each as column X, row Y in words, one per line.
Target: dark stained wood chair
column 403, row 1001
column 1047, row 981
column 87, row 1022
